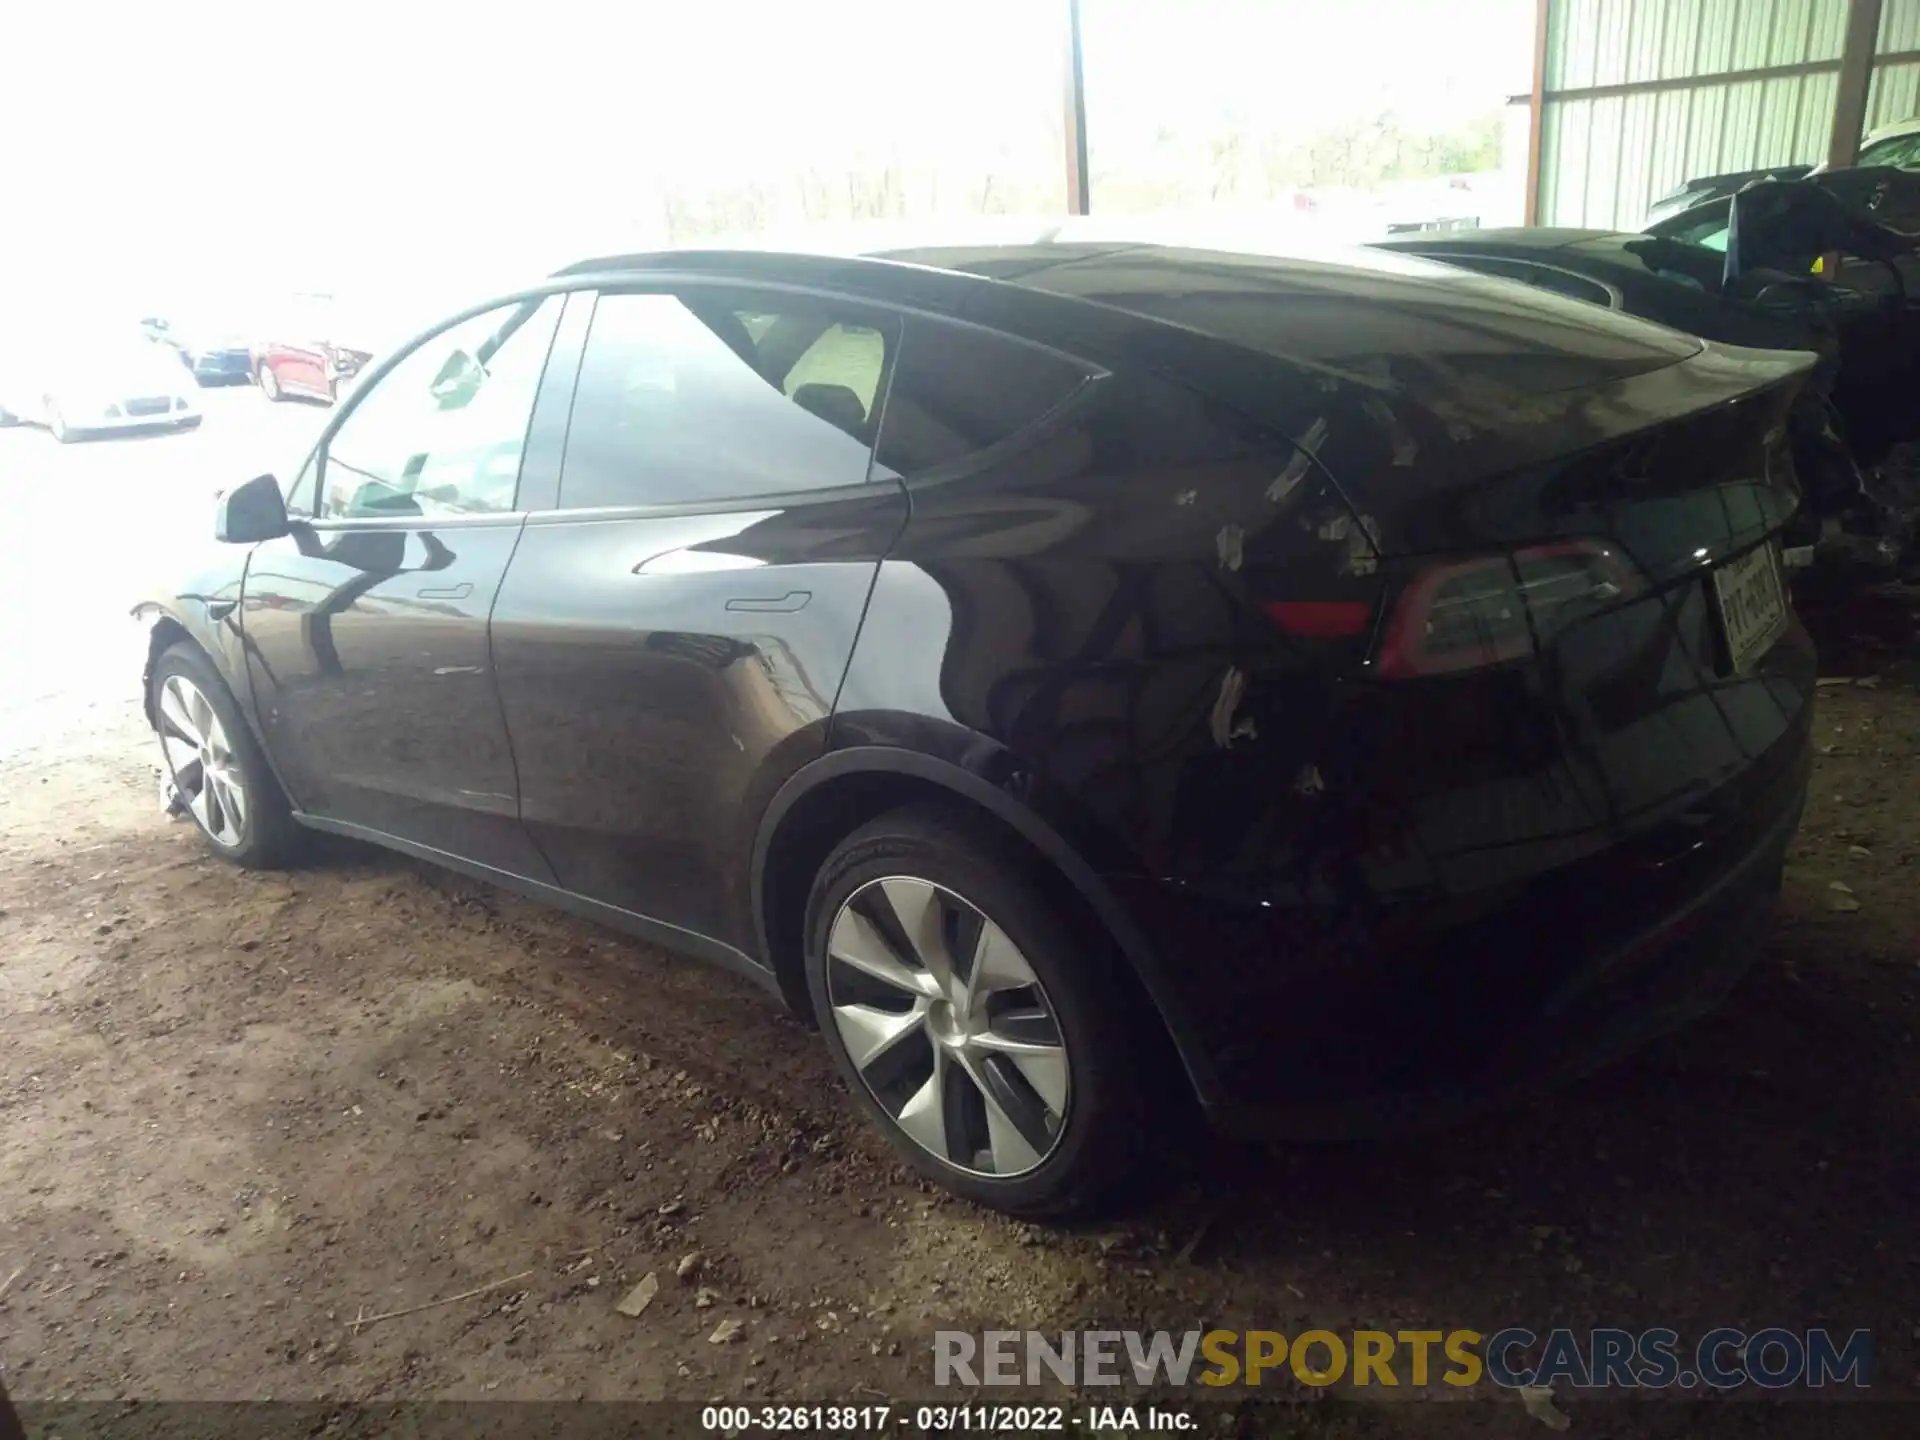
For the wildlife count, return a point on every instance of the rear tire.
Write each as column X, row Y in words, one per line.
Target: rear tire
column 980, row 1029
column 217, row 769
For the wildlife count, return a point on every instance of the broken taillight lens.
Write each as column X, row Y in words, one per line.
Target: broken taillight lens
column 1469, row 614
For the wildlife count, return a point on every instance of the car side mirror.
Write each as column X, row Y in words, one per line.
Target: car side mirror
column 252, row 512
column 458, row 382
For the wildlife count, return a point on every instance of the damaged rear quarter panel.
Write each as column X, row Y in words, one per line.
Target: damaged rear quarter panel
column 1094, row 610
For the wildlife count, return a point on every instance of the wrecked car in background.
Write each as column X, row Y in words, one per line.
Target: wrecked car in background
column 1856, row 427
column 1332, row 696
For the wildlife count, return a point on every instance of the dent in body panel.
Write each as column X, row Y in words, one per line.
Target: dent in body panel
column 1076, row 630
column 206, row 607
column 1062, row 631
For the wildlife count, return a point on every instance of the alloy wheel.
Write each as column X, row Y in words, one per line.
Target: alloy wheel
column 948, row 1027
column 206, row 773
column 269, row 383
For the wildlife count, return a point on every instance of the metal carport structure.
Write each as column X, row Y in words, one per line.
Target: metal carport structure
column 1631, row 97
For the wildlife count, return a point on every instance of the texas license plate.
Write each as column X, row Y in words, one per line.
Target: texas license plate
column 1753, row 605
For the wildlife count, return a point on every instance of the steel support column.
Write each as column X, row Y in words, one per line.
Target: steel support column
column 1078, row 195
column 1856, row 76
column 1536, row 110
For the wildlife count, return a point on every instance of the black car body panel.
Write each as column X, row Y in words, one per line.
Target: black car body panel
column 1887, row 193
column 726, row 636
column 329, row 615
column 1690, row 193
column 1154, row 621
column 1673, row 282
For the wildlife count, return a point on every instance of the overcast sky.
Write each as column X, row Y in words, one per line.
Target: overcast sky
column 262, row 142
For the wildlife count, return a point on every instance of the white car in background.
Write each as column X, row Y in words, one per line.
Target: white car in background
column 85, row 386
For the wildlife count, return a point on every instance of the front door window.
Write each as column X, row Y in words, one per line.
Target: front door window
column 442, row 432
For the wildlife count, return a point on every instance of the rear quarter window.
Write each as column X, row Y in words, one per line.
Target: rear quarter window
column 958, row 390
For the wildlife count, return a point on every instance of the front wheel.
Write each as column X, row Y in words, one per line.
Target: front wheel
column 57, row 425
column 270, row 383
column 219, row 774
column 978, row 1028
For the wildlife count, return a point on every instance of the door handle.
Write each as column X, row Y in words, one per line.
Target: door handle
column 446, row 592
column 772, row 605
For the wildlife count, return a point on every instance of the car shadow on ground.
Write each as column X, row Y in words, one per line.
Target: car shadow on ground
column 1756, row 1168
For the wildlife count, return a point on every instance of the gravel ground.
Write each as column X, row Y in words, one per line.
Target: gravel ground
column 244, row 1112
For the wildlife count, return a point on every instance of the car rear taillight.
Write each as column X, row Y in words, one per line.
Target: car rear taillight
column 1320, row 619
column 1468, row 614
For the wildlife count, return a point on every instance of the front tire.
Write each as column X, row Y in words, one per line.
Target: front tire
column 983, row 1032
column 217, row 770
column 57, row 424
column 270, row 383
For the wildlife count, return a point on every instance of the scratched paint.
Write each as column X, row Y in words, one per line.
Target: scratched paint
column 1362, row 556
column 1405, row 448
column 1233, row 685
column 1288, row 480
column 1231, row 542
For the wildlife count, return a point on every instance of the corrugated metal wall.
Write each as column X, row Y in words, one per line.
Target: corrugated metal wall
column 1605, row 158
column 1895, row 93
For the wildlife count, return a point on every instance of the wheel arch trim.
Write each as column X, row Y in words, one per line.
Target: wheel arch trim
column 1140, row 955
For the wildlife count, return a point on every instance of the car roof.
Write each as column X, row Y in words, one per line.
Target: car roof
column 1513, row 237
column 1890, row 132
column 1050, row 292
column 939, row 276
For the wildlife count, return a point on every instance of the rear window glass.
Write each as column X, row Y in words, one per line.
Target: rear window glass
column 1541, row 277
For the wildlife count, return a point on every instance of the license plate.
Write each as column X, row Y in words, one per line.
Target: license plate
column 1753, row 605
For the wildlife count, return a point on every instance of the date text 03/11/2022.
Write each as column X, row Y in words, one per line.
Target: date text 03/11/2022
column 946, row 1419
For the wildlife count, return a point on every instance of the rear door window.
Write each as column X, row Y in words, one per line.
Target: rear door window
column 959, row 390
column 701, row 396
column 442, row 432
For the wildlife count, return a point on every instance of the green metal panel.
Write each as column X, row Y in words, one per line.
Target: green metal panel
column 1604, row 159
column 1895, row 92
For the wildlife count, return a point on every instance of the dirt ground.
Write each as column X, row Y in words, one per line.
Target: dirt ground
column 243, row 1112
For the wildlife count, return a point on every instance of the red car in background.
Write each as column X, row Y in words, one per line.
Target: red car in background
column 315, row 351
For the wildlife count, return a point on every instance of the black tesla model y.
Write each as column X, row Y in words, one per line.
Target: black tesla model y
column 1088, row 682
